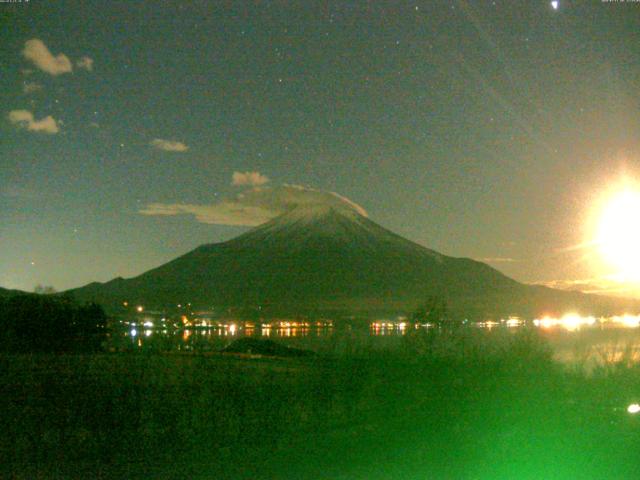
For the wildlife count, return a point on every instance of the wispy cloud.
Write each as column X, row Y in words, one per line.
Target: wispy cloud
column 314, row 196
column 168, row 145
column 31, row 87
column 85, row 63
column 223, row 213
column 255, row 206
column 606, row 285
column 498, row 260
column 37, row 52
column 248, row 178
column 24, row 119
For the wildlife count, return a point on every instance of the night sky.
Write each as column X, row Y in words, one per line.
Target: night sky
column 132, row 132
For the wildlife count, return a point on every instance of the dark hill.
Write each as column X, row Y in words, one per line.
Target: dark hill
column 4, row 292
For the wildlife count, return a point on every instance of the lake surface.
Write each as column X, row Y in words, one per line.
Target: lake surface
column 573, row 339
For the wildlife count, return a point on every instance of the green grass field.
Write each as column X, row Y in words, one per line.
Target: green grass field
column 452, row 406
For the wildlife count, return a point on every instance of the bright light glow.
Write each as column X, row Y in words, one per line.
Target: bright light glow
column 134, row 332
column 513, row 322
column 631, row 321
column 633, row 408
column 148, row 323
column 555, row 4
column 545, row 322
column 232, row 329
column 139, row 308
column 570, row 321
column 618, row 235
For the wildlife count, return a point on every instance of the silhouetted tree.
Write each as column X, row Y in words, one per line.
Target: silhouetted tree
column 33, row 322
column 44, row 289
column 434, row 311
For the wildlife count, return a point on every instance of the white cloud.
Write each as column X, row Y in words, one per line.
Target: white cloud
column 85, row 63
column 24, row 119
column 38, row 53
column 168, row 145
column 31, row 87
column 248, row 178
column 256, row 205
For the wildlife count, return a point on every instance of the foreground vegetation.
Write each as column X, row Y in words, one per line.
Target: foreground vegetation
column 47, row 323
column 445, row 405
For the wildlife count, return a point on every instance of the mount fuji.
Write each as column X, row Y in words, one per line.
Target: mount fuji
column 323, row 260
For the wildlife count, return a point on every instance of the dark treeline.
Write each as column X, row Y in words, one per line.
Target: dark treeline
column 45, row 323
column 434, row 310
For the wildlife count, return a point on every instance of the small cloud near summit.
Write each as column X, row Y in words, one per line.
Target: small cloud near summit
column 332, row 199
column 37, row 53
column 248, row 179
column 168, row 145
column 255, row 205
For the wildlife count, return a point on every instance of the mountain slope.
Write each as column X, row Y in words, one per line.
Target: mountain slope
column 4, row 292
column 319, row 259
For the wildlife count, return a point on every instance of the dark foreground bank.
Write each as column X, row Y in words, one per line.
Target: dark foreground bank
column 444, row 406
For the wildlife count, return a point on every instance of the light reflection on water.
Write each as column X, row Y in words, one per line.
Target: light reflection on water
column 573, row 338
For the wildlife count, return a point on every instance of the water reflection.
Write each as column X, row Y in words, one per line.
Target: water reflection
column 212, row 336
column 573, row 322
column 574, row 338
column 389, row 327
column 570, row 321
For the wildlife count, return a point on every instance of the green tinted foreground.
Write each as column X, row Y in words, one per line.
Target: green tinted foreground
column 444, row 406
